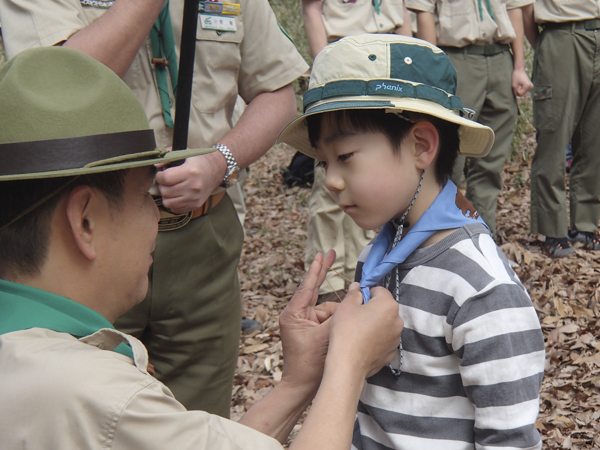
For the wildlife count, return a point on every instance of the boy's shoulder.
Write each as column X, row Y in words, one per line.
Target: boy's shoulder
column 469, row 253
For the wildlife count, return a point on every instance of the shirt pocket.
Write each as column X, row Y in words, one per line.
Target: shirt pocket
column 216, row 68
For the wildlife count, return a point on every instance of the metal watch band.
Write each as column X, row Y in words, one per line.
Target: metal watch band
column 232, row 167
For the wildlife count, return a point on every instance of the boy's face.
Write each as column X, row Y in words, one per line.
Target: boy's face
column 370, row 182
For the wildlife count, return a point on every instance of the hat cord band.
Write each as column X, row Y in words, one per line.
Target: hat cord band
column 73, row 153
column 379, row 88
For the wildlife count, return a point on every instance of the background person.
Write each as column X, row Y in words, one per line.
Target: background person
column 326, row 21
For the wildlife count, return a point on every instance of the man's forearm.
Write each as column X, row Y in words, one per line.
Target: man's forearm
column 426, row 27
column 115, row 38
column 312, row 15
column 516, row 19
column 331, row 419
column 405, row 29
column 260, row 125
column 531, row 28
column 277, row 412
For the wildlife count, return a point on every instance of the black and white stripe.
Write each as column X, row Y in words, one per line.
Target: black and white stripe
column 473, row 354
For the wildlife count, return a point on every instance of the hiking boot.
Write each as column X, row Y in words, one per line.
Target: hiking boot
column 558, row 247
column 589, row 240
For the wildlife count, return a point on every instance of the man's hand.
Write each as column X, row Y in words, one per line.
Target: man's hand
column 521, row 83
column 305, row 328
column 364, row 337
column 186, row 187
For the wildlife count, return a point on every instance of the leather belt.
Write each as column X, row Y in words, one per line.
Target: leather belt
column 484, row 50
column 209, row 204
column 170, row 221
column 589, row 25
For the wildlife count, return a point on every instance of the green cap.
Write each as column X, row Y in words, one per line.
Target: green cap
column 390, row 72
column 62, row 113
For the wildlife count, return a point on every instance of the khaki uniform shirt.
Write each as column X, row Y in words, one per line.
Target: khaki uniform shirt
column 256, row 58
column 555, row 11
column 343, row 19
column 459, row 23
column 63, row 393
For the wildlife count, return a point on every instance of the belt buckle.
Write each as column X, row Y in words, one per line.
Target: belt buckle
column 169, row 220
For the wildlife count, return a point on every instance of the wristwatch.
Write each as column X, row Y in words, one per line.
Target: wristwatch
column 233, row 170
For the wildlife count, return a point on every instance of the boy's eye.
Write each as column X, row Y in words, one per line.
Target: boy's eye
column 321, row 164
column 345, row 157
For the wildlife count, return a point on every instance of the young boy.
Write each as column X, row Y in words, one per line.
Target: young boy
column 381, row 117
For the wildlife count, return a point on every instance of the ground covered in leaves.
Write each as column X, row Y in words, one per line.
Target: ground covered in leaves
column 565, row 293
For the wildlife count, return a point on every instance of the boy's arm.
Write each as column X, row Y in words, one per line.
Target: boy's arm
column 531, row 28
column 521, row 83
column 405, row 29
column 498, row 338
column 312, row 15
column 426, row 27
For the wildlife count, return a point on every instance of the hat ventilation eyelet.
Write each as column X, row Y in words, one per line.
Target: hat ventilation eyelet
column 372, row 57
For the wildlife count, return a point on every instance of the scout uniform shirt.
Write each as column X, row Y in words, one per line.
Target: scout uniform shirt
column 350, row 17
column 219, row 74
column 62, row 391
column 470, row 22
column 575, row 11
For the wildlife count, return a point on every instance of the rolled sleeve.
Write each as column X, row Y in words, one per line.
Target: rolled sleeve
column 28, row 24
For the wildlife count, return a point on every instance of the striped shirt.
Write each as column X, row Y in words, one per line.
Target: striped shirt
column 473, row 354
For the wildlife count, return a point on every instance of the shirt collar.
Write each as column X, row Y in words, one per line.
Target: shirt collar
column 23, row 307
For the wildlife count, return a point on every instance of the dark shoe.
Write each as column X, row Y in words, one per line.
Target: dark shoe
column 249, row 325
column 558, row 247
column 589, row 240
column 336, row 296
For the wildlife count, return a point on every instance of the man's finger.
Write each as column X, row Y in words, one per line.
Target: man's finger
column 325, row 310
column 354, row 294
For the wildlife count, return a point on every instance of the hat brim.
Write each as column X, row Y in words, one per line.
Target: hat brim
column 157, row 156
column 475, row 139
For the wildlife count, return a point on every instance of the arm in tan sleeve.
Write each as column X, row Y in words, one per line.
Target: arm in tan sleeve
column 426, row 27
column 312, row 15
column 531, row 28
column 521, row 83
column 115, row 38
column 405, row 29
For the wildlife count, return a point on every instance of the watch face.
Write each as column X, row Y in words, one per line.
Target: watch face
column 233, row 176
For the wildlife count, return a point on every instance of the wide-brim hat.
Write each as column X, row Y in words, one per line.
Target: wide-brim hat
column 62, row 113
column 390, row 72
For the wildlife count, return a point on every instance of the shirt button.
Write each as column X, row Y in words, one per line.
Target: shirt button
column 484, row 35
column 380, row 25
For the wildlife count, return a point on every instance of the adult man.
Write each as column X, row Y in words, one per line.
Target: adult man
column 190, row 322
column 77, row 229
column 485, row 44
column 565, row 109
column 326, row 21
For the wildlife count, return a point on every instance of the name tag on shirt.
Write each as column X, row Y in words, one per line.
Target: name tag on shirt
column 212, row 7
column 217, row 23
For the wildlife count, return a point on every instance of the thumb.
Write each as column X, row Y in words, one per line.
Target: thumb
column 354, row 294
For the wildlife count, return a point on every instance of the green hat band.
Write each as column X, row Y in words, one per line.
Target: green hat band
column 379, row 88
column 63, row 154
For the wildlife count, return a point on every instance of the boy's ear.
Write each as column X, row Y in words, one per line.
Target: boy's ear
column 82, row 213
column 427, row 140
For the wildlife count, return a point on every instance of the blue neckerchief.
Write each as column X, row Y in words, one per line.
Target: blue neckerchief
column 443, row 214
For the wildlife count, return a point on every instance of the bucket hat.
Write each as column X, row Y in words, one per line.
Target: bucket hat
column 62, row 113
column 390, row 72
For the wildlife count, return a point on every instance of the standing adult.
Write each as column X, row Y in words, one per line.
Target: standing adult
column 190, row 320
column 327, row 21
column 566, row 108
column 484, row 41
